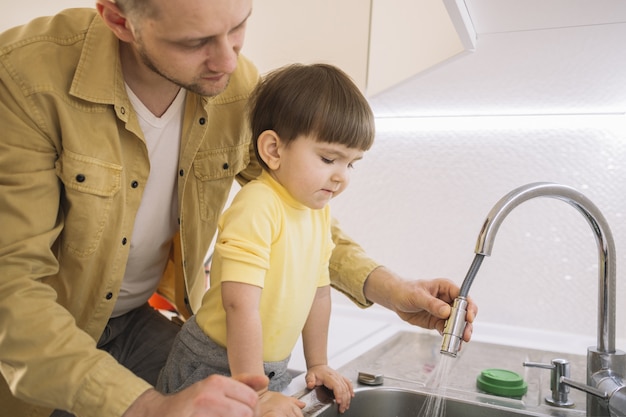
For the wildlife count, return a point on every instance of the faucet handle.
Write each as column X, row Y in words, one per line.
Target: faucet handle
column 558, row 368
column 611, row 390
column 585, row 388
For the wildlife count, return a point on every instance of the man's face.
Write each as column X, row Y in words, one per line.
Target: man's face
column 194, row 43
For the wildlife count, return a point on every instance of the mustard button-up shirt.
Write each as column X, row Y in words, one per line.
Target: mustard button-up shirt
column 71, row 155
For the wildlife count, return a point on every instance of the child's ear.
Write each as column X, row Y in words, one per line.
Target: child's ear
column 268, row 145
column 115, row 20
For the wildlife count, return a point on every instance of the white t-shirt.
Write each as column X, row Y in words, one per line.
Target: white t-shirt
column 156, row 221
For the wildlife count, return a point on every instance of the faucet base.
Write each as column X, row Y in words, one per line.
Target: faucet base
column 604, row 372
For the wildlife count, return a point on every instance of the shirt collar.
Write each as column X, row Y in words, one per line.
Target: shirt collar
column 99, row 67
column 285, row 195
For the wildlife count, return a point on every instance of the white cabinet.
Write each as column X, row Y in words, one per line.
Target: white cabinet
column 378, row 42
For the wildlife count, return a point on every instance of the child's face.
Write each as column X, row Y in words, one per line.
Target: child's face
column 314, row 172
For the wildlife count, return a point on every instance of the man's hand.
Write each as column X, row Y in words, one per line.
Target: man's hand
column 275, row 404
column 215, row 396
column 422, row 303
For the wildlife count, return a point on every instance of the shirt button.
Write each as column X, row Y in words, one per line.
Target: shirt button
column 202, row 120
column 109, row 295
column 80, row 178
column 181, row 172
column 134, row 184
column 225, row 166
column 124, row 241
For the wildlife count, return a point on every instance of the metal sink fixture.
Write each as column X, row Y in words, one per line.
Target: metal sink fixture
column 606, row 366
column 405, row 365
column 397, row 402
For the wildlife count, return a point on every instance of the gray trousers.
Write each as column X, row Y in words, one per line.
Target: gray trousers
column 140, row 340
column 195, row 356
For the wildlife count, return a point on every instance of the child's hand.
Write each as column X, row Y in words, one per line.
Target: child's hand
column 275, row 404
column 331, row 379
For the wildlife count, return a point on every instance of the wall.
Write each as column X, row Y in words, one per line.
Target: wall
column 418, row 199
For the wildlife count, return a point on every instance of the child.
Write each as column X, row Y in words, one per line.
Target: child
column 269, row 275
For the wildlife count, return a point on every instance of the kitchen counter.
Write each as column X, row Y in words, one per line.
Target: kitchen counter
column 376, row 341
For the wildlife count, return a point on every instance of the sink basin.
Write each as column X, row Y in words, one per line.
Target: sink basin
column 407, row 361
column 397, row 402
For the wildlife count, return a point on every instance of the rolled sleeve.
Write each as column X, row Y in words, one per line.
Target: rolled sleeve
column 349, row 267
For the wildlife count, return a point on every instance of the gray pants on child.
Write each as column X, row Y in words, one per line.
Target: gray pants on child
column 194, row 356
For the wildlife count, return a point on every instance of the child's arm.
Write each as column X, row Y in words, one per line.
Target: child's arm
column 315, row 331
column 314, row 341
column 244, row 341
column 244, row 337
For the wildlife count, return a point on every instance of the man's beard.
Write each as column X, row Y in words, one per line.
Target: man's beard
column 193, row 87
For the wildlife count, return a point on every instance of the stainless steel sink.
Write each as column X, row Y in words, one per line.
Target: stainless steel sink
column 398, row 402
column 408, row 361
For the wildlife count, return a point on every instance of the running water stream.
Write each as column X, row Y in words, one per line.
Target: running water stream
column 435, row 405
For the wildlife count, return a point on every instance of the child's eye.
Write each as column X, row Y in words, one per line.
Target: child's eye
column 327, row 161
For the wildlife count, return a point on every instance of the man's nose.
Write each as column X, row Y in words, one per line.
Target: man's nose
column 222, row 56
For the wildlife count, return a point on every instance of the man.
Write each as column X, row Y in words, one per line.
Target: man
column 122, row 131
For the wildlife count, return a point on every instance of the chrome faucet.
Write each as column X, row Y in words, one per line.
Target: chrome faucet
column 606, row 367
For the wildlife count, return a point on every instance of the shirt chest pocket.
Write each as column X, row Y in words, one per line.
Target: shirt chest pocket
column 214, row 172
column 90, row 186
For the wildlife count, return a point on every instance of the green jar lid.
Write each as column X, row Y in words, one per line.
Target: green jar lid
column 501, row 382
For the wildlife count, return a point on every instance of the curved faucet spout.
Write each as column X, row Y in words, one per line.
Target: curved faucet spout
column 606, row 367
column 601, row 230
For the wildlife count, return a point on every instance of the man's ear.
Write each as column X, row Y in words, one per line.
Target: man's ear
column 115, row 20
column 268, row 145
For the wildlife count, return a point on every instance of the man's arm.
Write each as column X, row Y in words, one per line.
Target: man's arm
column 44, row 356
column 424, row 303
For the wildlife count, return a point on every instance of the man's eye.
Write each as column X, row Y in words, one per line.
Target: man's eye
column 193, row 46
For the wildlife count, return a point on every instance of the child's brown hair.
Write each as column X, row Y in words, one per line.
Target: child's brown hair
column 318, row 99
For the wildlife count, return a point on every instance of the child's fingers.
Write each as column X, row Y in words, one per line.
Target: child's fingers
column 350, row 387
column 343, row 392
column 311, row 380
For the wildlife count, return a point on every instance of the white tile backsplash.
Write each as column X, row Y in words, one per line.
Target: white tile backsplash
column 419, row 198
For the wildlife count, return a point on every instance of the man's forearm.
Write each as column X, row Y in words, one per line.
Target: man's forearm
column 380, row 286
